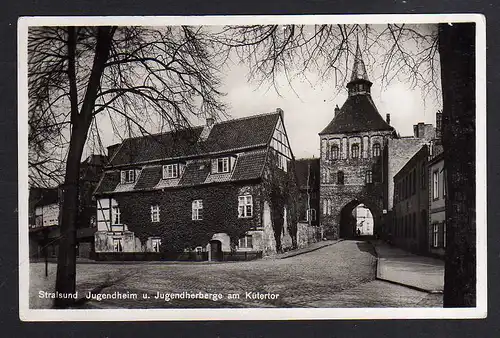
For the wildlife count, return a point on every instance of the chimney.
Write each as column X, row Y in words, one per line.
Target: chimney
column 439, row 123
column 281, row 112
column 388, row 119
column 210, row 121
column 207, row 129
column 337, row 110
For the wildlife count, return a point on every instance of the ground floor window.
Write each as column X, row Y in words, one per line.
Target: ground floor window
column 245, row 242
column 311, row 215
column 435, row 235
column 155, row 244
column 118, row 244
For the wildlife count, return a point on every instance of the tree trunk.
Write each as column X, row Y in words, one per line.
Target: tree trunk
column 66, row 260
column 457, row 53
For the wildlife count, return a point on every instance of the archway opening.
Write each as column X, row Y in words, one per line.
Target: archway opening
column 364, row 221
column 356, row 220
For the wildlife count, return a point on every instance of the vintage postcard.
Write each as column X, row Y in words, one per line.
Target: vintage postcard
column 252, row 167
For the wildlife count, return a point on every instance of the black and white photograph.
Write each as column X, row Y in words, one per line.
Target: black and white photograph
column 252, row 167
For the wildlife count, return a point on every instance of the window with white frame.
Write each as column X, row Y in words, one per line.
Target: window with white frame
column 118, row 244
column 435, row 185
column 223, row 165
column 245, row 242
column 329, row 207
column 155, row 244
column 245, row 206
column 155, row 213
column 435, row 235
column 127, row 176
column 197, row 210
column 171, row 171
column 311, row 215
column 115, row 215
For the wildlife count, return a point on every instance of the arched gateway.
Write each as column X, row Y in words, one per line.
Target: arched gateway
column 353, row 159
column 349, row 224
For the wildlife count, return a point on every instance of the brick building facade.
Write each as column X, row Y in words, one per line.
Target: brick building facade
column 222, row 191
column 351, row 161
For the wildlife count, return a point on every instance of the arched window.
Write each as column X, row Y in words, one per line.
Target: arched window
column 376, row 150
column 335, row 152
column 369, row 177
column 340, row 177
column 355, row 151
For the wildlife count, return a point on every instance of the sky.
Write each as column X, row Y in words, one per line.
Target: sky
column 309, row 106
column 309, row 109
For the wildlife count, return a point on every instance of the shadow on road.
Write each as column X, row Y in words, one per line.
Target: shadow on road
column 366, row 247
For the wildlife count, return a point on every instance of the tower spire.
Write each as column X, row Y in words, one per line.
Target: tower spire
column 358, row 69
column 359, row 84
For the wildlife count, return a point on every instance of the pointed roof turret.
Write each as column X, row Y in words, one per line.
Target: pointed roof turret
column 359, row 112
column 358, row 69
column 359, row 83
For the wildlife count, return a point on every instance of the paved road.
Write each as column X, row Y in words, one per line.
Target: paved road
column 339, row 275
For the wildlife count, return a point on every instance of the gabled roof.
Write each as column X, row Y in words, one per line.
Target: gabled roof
column 227, row 136
column 357, row 114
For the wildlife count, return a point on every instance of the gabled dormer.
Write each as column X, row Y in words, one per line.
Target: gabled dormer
column 172, row 170
column 223, row 164
column 129, row 176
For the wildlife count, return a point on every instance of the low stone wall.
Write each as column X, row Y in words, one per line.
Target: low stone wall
column 172, row 256
column 307, row 234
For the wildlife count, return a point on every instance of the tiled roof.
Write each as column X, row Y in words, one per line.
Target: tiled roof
column 149, row 177
column 225, row 136
column 195, row 172
column 357, row 114
column 109, row 181
column 247, row 167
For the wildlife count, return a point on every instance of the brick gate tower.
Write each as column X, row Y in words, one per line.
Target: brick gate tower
column 352, row 168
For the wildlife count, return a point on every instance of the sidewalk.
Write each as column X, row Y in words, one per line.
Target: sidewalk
column 401, row 267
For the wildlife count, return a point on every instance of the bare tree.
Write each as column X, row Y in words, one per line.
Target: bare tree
column 134, row 76
column 429, row 57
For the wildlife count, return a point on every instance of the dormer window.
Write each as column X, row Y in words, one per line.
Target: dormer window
column 171, row 171
column 127, row 176
column 220, row 165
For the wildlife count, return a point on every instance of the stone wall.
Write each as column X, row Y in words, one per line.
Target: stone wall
column 307, row 234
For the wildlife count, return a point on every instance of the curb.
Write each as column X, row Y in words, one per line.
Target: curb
column 399, row 283
column 314, row 249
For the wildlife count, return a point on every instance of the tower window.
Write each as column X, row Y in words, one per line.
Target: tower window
column 376, row 150
column 335, row 152
column 355, row 151
column 340, row 177
column 369, row 177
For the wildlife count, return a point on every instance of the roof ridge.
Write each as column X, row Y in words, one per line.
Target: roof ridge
column 249, row 117
column 200, row 126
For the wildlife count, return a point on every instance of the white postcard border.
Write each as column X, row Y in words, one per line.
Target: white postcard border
column 480, row 311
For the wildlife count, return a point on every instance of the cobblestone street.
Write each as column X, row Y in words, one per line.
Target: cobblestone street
column 339, row 275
